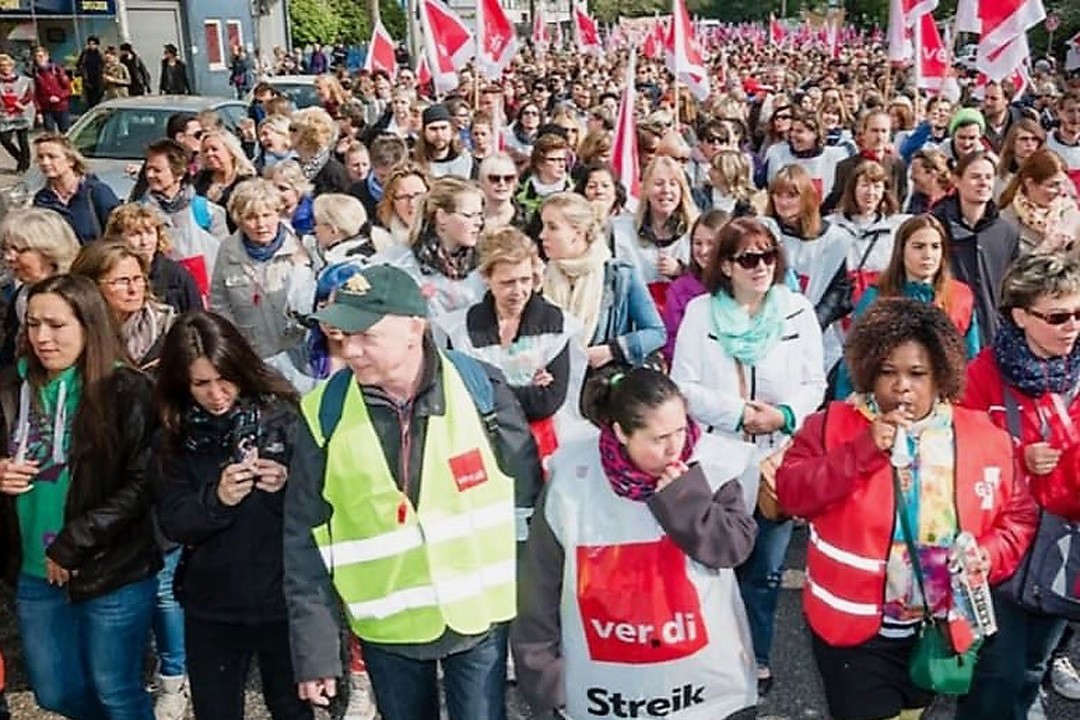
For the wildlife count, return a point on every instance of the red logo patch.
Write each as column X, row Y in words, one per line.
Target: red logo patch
column 637, row 604
column 468, row 470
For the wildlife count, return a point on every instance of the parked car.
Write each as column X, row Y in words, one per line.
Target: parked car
column 299, row 89
column 114, row 135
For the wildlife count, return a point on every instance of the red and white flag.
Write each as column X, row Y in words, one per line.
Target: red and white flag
column 588, row 36
column 380, row 54
column 1072, row 55
column 423, row 75
column 684, row 57
column 557, row 40
column 903, row 14
column 624, row 149
column 832, row 39
column 449, row 43
column 496, row 40
column 1003, row 43
column 776, row 31
column 933, row 56
column 540, row 36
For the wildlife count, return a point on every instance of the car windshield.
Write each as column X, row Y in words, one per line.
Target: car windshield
column 120, row 133
column 301, row 95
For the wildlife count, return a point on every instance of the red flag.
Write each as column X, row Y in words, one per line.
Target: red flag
column 540, row 35
column 776, row 31
column 557, row 38
column 651, row 48
column 450, row 43
column 423, row 75
column 903, row 14
column 933, row 55
column 380, row 54
column 624, row 150
column 496, row 41
column 587, row 35
column 1003, row 44
column 832, row 39
column 684, row 58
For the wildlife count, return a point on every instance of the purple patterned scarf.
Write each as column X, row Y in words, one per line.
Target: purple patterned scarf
column 626, row 479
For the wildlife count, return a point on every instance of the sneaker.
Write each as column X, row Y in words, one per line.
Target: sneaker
column 1037, row 711
column 764, row 681
column 361, row 699
column 1064, row 678
column 172, row 698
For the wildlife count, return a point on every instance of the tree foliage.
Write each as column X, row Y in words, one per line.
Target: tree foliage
column 347, row 21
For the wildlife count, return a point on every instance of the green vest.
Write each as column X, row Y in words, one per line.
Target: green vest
column 406, row 573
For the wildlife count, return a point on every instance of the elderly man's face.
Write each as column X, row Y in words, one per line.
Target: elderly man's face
column 377, row 355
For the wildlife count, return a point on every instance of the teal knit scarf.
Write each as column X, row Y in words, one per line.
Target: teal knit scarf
column 745, row 338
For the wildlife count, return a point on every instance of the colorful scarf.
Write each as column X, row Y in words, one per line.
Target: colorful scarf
column 627, row 480
column 314, row 164
column 435, row 259
column 1029, row 373
column 204, row 432
column 745, row 338
column 144, row 327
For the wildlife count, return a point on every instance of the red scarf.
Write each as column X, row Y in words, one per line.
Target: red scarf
column 626, row 478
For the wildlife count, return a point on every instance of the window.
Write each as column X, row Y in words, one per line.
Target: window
column 215, row 51
column 234, row 31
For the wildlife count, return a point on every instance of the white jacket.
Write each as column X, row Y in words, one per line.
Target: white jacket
column 791, row 372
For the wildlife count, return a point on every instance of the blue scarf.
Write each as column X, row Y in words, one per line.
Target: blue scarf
column 374, row 187
column 1027, row 372
column 745, row 338
column 262, row 253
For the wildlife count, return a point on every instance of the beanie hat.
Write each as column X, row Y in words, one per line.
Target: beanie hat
column 434, row 114
column 967, row 116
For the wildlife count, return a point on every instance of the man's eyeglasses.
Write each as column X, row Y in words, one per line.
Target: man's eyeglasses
column 750, row 260
column 1055, row 318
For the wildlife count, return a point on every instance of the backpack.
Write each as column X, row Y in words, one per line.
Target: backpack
column 472, row 374
column 1047, row 580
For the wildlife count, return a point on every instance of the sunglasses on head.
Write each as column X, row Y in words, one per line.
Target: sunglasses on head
column 494, row 179
column 750, row 260
column 1055, row 318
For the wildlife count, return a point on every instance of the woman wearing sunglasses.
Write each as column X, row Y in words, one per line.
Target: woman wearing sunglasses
column 1033, row 366
column 498, row 179
column 748, row 360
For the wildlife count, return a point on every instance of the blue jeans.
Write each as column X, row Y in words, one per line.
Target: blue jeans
column 168, row 621
column 84, row 659
column 1011, row 664
column 474, row 680
column 759, row 582
column 58, row 121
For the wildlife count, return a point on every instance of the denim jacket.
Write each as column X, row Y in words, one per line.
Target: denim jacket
column 629, row 320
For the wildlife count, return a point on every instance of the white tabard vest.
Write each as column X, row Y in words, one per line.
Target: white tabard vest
column 643, row 255
column 443, row 294
column 1070, row 154
column 646, row 631
column 821, row 167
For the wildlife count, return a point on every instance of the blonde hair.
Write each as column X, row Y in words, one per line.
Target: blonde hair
column 243, row 167
column 732, row 167
column 252, row 195
column 686, row 210
column 384, row 212
column 135, row 216
column 578, row 212
column 78, row 162
column 508, row 245
column 290, row 172
column 1034, row 275
column 278, row 124
column 43, row 231
column 341, row 212
column 314, row 129
column 443, row 194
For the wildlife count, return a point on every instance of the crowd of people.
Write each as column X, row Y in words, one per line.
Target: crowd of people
column 397, row 393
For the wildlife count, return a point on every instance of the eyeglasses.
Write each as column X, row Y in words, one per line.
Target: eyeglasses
column 198, row 134
column 477, row 216
column 750, row 260
column 496, row 179
column 530, row 112
column 556, row 159
column 408, row 197
column 712, row 139
column 135, row 281
column 782, row 117
column 1055, row 318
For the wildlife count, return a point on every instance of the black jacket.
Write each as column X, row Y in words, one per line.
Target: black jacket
column 231, row 568
column 312, row 601
column 173, row 285
column 107, row 539
column 333, row 178
column 174, row 79
column 980, row 257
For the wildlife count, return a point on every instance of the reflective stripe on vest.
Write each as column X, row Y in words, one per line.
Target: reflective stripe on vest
column 406, row 573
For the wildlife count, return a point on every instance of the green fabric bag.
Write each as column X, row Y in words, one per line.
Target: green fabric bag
column 934, row 664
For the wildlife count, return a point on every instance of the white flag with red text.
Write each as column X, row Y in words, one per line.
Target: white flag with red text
column 496, row 40
column 933, row 56
column 449, row 44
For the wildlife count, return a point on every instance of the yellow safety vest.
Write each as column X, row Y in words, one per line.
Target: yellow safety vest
column 406, row 573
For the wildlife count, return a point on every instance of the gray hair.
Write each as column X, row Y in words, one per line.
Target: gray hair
column 342, row 212
column 43, row 231
column 289, row 171
column 1034, row 275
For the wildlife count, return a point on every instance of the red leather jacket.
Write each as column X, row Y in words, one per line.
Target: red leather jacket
column 835, row 476
column 1059, row 490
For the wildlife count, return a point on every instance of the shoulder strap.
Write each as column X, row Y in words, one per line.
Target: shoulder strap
column 200, row 208
column 909, row 539
column 479, row 386
column 1012, row 411
column 333, row 402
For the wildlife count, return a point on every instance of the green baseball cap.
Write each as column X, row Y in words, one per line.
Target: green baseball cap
column 369, row 296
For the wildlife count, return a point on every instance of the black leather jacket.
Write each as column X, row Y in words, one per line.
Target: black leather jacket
column 107, row 540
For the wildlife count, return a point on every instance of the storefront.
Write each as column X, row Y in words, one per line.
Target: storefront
column 60, row 25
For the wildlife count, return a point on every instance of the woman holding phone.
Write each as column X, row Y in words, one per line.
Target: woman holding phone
column 223, row 453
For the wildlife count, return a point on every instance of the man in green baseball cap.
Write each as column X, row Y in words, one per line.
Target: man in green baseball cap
column 393, row 454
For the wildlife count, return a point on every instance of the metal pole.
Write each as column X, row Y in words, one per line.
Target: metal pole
column 415, row 39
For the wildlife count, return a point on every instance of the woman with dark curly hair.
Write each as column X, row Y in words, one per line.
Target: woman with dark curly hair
column 1028, row 381
column 950, row 471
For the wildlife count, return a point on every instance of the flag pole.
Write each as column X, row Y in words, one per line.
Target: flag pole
column 675, row 92
column 916, row 41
